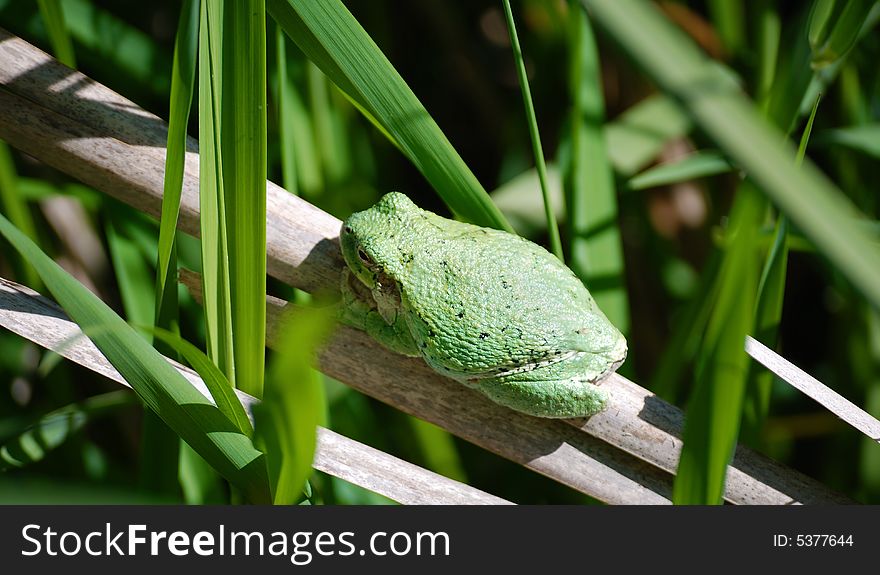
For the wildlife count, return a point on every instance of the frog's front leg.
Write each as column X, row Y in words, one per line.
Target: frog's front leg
column 559, row 390
column 359, row 310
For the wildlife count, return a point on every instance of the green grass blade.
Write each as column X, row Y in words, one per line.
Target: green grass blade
column 534, row 134
column 728, row 17
column 159, row 457
column 687, row 334
column 50, row 431
column 329, row 143
column 220, row 388
column 133, row 275
column 768, row 310
column 595, row 250
column 713, row 414
column 14, row 206
column 53, row 18
column 330, row 36
column 438, row 449
column 182, row 85
column 864, row 138
column 161, row 387
column 243, row 140
column 805, row 195
column 834, row 30
column 286, row 120
column 295, row 123
column 294, row 405
column 212, row 198
column 692, row 167
column 769, row 33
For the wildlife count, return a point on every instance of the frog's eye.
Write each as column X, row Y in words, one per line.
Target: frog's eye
column 364, row 257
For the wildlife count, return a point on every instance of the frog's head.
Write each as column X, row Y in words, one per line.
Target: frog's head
column 371, row 239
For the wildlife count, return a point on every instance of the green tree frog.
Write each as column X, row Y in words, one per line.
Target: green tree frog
column 487, row 308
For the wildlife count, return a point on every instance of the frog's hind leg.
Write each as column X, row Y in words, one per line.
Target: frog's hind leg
column 548, row 391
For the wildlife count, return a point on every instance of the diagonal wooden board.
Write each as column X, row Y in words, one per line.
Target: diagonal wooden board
column 806, row 383
column 36, row 318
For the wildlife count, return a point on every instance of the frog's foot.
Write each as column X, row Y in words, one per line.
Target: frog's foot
column 551, row 390
column 558, row 399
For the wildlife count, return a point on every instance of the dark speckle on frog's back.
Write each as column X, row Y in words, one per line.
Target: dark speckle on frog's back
column 484, row 300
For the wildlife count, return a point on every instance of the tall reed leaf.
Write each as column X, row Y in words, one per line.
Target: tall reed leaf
column 233, row 187
column 286, row 110
column 805, row 195
column 287, row 420
column 768, row 310
column 595, row 251
column 243, row 139
column 212, row 200
column 14, row 206
column 534, row 134
column 161, row 387
column 182, row 80
column 835, row 27
column 219, row 387
column 330, row 36
column 713, row 413
column 53, row 18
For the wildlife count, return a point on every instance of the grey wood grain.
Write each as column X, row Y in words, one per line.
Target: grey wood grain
column 38, row 319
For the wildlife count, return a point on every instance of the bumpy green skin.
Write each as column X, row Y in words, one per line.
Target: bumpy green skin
column 492, row 310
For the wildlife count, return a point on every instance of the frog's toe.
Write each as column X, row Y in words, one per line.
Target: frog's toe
column 555, row 399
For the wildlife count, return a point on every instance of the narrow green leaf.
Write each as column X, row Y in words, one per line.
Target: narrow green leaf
column 53, row 18
column 534, row 134
column 182, row 81
column 159, row 457
column 199, row 483
column 221, row 390
column 768, row 310
column 804, row 194
column 864, row 138
column 286, row 120
column 330, row 36
column 133, row 275
column 595, row 250
column 728, row 17
column 244, row 139
column 294, row 405
column 161, row 387
column 212, row 197
column 438, row 449
column 692, row 167
column 769, row 33
column 333, row 151
column 835, row 27
column 687, row 333
column 14, row 205
column 713, row 414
